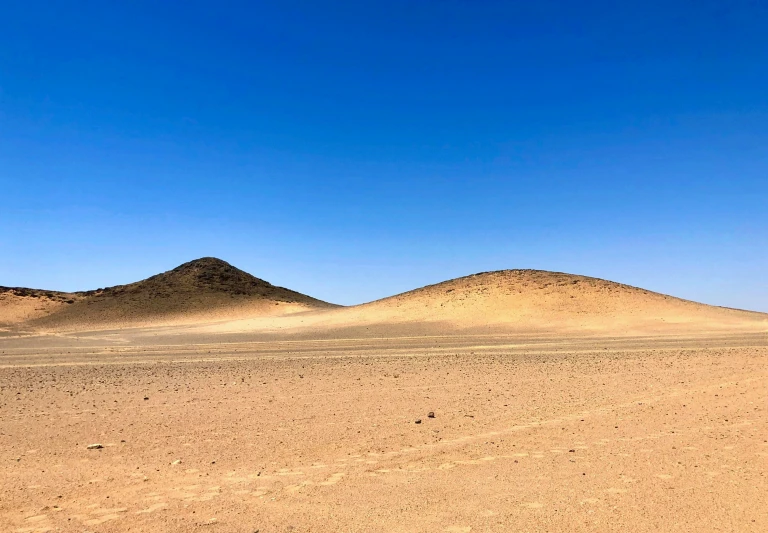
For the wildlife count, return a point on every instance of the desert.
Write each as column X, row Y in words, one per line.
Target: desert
column 384, row 267
column 206, row 399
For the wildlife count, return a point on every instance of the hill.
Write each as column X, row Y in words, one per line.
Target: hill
column 542, row 300
column 203, row 289
column 529, row 302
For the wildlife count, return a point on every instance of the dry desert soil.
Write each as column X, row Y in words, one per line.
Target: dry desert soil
column 205, row 399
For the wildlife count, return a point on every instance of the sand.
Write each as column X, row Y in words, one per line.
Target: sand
column 19, row 306
column 545, row 418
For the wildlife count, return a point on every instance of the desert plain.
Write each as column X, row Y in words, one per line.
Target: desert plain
column 204, row 399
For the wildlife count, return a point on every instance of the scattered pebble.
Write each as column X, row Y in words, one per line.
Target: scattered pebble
column 95, row 446
column 431, row 414
column 418, row 420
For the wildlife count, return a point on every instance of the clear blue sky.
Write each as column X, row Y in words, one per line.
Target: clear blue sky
column 352, row 150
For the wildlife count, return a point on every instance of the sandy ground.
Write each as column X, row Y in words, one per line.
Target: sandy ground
column 530, row 433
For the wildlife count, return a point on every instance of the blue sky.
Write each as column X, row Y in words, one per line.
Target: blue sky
column 352, row 150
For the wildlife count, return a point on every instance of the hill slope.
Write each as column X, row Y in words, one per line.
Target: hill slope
column 206, row 288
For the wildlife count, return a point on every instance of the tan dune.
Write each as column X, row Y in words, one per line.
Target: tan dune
column 541, row 299
column 19, row 305
column 513, row 301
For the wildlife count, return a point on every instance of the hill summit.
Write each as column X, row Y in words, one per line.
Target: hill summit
column 205, row 275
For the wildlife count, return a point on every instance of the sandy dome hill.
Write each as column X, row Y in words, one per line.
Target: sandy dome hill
column 19, row 304
column 542, row 300
column 202, row 289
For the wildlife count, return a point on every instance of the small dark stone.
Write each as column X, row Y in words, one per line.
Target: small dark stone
column 146, row 397
column 431, row 414
column 572, row 451
column 418, row 420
